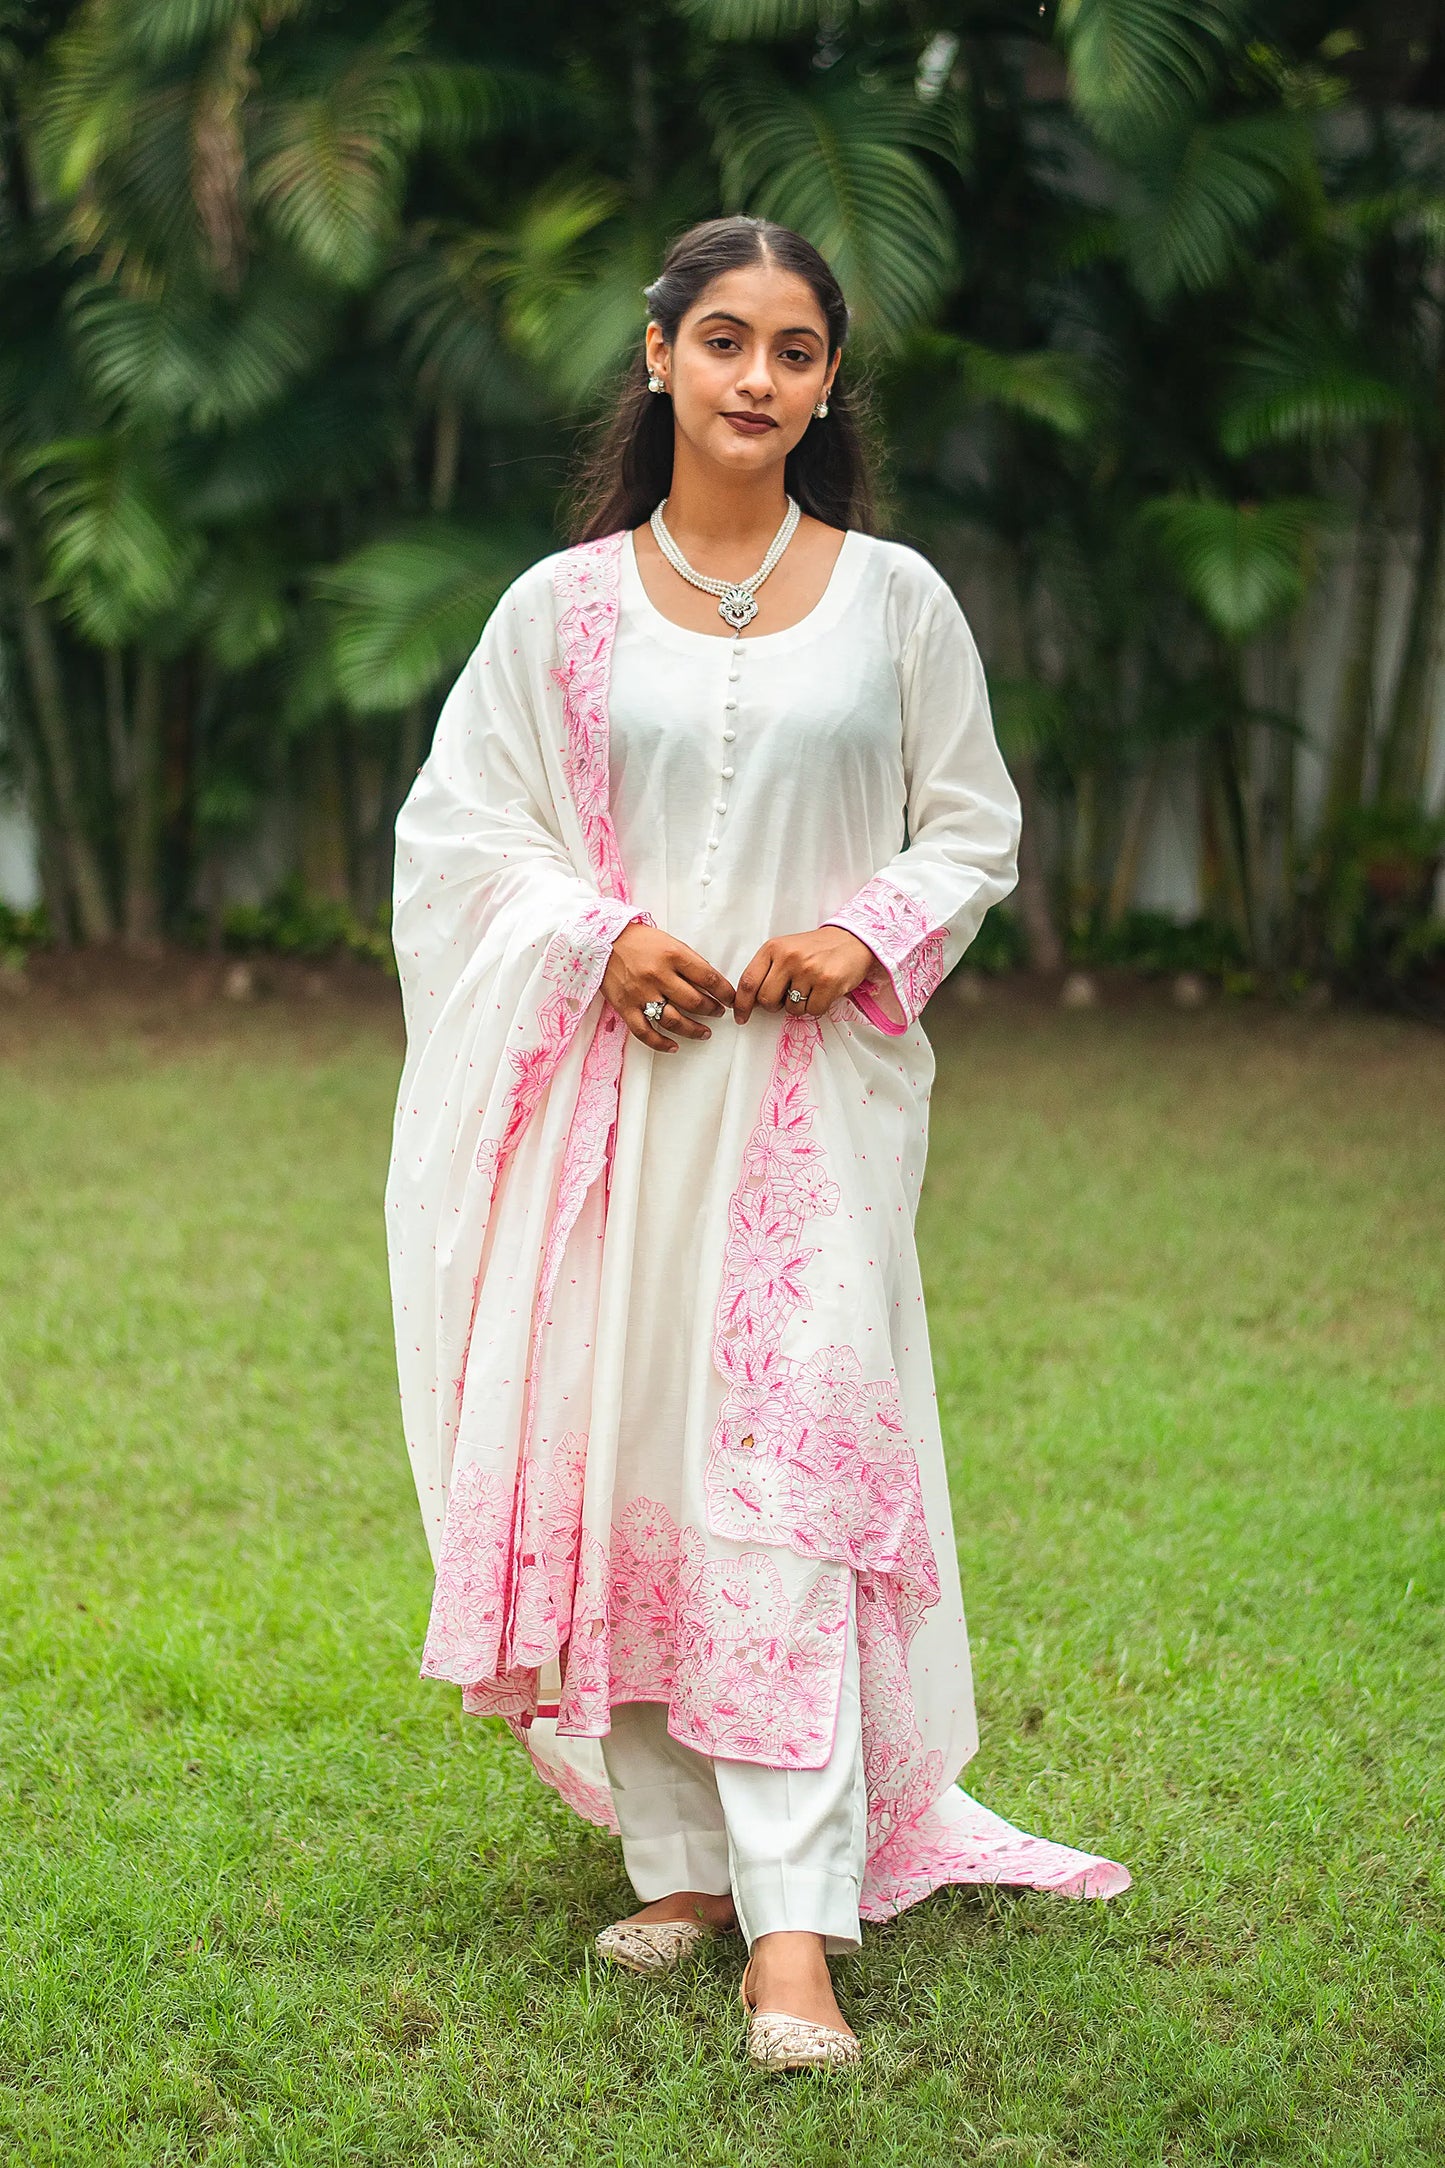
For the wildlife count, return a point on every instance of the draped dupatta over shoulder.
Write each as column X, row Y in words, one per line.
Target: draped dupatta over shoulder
column 650, row 1464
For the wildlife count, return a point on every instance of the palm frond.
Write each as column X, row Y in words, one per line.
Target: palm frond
column 447, row 104
column 407, row 608
column 85, row 101
column 840, row 165
column 1046, row 386
column 331, row 436
column 763, row 19
column 117, row 558
column 1299, row 385
column 1242, row 565
column 239, row 605
column 1201, row 195
column 167, row 30
column 197, row 356
column 331, row 165
column 1137, row 63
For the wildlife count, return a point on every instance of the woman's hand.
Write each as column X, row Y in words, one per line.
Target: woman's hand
column 823, row 964
column 647, row 964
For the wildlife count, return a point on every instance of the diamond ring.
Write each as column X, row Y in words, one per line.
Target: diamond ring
column 796, row 995
column 652, row 1010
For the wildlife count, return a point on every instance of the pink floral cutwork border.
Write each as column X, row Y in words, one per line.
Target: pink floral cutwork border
column 501, row 1604
column 587, row 583
column 573, row 967
column 909, row 946
column 744, row 1671
column 808, row 1454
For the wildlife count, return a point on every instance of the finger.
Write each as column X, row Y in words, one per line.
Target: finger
column 747, row 989
column 773, row 991
column 685, row 997
column 676, row 1019
column 643, row 1028
column 701, row 974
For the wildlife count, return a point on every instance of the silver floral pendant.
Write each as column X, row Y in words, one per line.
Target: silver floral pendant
column 738, row 607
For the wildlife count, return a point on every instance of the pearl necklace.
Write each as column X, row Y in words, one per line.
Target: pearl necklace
column 739, row 597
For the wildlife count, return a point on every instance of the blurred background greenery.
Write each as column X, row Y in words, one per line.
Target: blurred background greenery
column 304, row 307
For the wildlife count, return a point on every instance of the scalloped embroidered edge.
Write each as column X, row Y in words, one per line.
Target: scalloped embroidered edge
column 908, row 944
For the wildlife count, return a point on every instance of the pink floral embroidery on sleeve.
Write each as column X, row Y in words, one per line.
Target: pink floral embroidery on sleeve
column 909, row 946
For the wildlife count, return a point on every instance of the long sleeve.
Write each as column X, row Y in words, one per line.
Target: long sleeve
column 919, row 912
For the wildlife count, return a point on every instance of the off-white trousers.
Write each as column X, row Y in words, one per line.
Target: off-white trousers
column 788, row 1843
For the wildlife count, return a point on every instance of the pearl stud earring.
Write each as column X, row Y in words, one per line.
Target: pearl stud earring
column 821, row 408
column 654, row 382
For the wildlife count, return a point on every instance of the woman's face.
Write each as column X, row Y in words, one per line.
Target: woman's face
column 748, row 366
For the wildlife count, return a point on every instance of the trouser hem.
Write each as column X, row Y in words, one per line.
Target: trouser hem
column 693, row 1859
column 797, row 1900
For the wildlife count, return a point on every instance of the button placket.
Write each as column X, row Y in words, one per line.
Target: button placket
column 725, row 770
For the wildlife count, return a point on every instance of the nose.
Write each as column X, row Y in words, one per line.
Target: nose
column 755, row 376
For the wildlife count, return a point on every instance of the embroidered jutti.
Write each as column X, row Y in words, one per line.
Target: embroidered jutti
column 663, row 1355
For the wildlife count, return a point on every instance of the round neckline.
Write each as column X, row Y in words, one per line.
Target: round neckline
column 835, row 596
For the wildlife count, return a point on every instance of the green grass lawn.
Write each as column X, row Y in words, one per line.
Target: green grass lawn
column 269, row 1898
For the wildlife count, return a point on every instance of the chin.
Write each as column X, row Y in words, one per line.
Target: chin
column 748, row 449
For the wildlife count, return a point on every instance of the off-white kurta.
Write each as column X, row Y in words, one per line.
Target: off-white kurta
column 663, row 1352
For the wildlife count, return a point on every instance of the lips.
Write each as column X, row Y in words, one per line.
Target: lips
column 751, row 425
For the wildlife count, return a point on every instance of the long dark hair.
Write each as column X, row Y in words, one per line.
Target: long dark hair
column 627, row 467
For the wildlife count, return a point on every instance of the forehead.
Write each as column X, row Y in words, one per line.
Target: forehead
column 764, row 296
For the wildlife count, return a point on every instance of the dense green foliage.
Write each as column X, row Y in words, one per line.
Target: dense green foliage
column 265, row 1897
column 305, row 306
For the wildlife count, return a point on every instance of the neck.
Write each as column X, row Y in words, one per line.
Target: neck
column 712, row 515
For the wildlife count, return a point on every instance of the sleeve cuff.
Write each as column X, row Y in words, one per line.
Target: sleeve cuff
column 577, row 958
column 908, row 944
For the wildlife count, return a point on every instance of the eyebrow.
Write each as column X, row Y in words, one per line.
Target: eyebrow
column 725, row 316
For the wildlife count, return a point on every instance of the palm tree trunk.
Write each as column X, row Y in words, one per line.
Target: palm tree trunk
column 142, row 838
column 1125, row 878
column 1084, row 852
column 42, row 663
column 1356, row 701
column 1042, row 946
column 1230, row 759
column 1407, row 734
column 117, row 730
column 1044, row 949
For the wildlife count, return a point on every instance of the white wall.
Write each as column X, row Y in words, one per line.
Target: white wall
column 19, row 876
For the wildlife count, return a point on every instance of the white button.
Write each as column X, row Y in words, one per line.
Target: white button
column 729, row 735
column 727, row 775
column 730, row 703
column 733, row 676
column 720, row 805
column 712, row 843
column 705, row 879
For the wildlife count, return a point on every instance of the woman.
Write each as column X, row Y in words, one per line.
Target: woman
column 664, row 1362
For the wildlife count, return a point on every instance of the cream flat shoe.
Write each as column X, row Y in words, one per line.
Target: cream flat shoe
column 779, row 2041
column 651, row 1945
